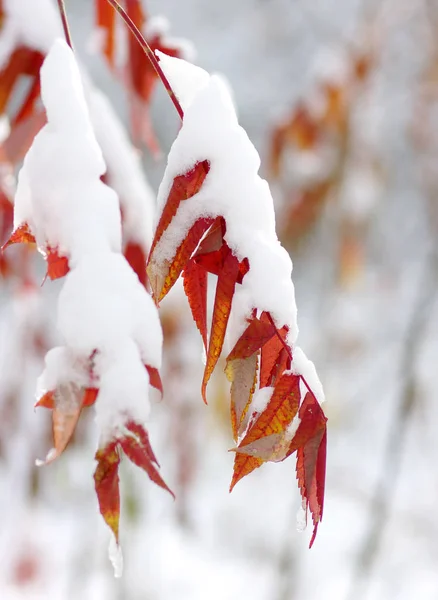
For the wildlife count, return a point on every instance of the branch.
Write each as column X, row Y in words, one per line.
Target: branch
column 64, row 20
column 148, row 51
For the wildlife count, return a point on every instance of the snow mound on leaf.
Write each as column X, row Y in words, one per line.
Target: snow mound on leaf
column 106, row 318
column 19, row 26
column 232, row 189
column 60, row 194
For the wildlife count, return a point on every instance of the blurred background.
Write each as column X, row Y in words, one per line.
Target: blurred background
column 340, row 97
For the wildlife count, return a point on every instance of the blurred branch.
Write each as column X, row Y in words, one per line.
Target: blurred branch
column 381, row 502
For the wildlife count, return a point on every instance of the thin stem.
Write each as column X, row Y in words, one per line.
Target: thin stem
column 64, row 20
column 148, row 51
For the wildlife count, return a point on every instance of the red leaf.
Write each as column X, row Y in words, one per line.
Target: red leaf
column 139, row 451
column 135, row 256
column 195, row 287
column 106, row 481
column 266, row 439
column 310, row 441
column 57, row 266
column 274, row 358
column 243, row 376
column 162, row 276
column 184, row 187
column 255, row 336
column 222, row 306
column 21, row 235
column 106, row 21
column 154, row 378
column 90, row 396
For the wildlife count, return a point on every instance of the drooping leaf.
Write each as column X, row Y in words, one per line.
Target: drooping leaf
column 106, row 482
column 184, row 187
column 274, row 358
column 195, row 287
column 68, row 399
column 244, row 465
column 266, row 439
column 136, row 258
column 255, row 336
column 106, row 23
column 163, row 275
column 310, row 441
column 242, row 372
column 226, row 284
column 57, row 266
column 139, row 451
column 154, row 378
column 21, row 235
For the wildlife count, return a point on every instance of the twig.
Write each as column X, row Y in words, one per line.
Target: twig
column 148, row 51
column 64, row 20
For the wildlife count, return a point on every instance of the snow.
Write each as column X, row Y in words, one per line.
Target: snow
column 19, row 26
column 102, row 306
column 125, row 174
column 159, row 26
column 301, row 365
column 232, row 189
column 59, row 191
column 260, row 399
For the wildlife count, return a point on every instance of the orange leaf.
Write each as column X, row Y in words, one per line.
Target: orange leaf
column 23, row 61
column 90, row 396
column 28, row 107
column 255, row 336
column 265, row 439
column 243, row 376
column 274, row 358
column 21, row 235
column 195, row 288
column 213, row 239
column 106, row 482
column 57, row 266
column 135, row 256
column 162, row 276
column 139, row 451
column 21, row 137
column 310, row 441
column 67, row 406
column 244, row 465
column 106, row 21
column 154, row 378
column 46, row 401
column 183, row 187
column 222, row 306
column 279, row 413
